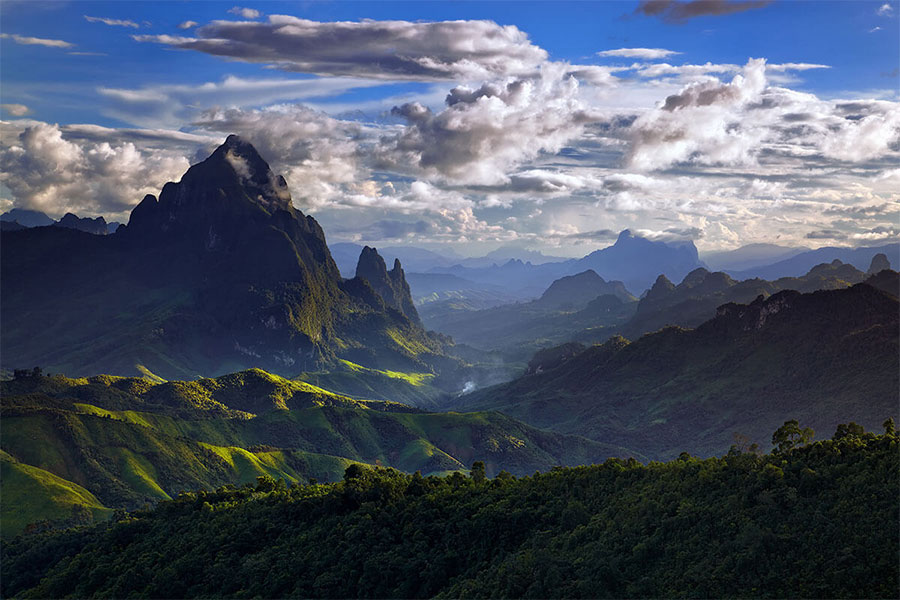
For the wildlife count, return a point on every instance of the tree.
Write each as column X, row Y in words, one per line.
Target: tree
column 889, row 426
column 478, row 472
column 790, row 436
column 850, row 430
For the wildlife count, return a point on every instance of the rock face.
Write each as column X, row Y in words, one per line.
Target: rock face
column 390, row 285
column 220, row 273
column 880, row 263
column 95, row 226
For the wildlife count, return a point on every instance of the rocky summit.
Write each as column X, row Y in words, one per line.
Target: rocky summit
column 219, row 273
column 390, row 285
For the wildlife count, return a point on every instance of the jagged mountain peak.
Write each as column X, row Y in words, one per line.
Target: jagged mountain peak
column 391, row 286
column 217, row 198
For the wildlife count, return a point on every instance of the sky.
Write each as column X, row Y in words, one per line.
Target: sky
column 548, row 126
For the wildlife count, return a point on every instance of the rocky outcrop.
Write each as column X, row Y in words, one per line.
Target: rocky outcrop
column 390, row 285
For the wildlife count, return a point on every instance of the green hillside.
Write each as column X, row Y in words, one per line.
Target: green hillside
column 32, row 495
column 811, row 521
column 129, row 441
column 816, row 356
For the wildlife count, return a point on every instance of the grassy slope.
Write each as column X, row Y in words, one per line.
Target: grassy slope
column 30, row 494
column 132, row 441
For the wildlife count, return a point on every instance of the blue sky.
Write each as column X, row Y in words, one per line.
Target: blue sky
column 104, row 101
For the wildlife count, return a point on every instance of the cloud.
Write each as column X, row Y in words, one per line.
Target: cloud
column 247, row 13
column 375, row 49
column 709, row 122
column 678, row 11
column 826, row 234
column 699, row 124
column 173, row 104
column 484, row 133
column 16, row 110
column 885, row 10
column 388, row 229
column 112, row 22
column 596, row 235
column 33, row 41
column 187, row 24
column 318, row 155
column 644, row 53
column 47, row 171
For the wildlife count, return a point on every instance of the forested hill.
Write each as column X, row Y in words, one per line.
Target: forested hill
column 814, row 521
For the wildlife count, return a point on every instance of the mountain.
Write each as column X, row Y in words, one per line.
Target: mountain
column 415, row 259
column 816, row 357
column 696, row 298
column 633, row 259
column 749, row 256
column 637, row 261
column 219, row 274
column 114, row 442
column 879, row 263
column 391, row 286
column 858, row 257
column 814, row 521
column 575, row 291
column 582, row 307
column 11, row 226
column 27, row 218
column 95, row 226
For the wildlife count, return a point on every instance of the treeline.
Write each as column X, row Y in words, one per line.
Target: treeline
column 809, row 520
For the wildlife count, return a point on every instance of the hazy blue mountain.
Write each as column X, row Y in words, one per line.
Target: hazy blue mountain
column 634, row 260
column 637, row 261
column 575, row 291
column 749, row 256
column 879, row 263
column 861, row 258
column 582, row 307
column 27, row 218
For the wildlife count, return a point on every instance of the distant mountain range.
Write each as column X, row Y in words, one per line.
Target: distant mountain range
column 586, row 309
column 749, row 256
column 803, row 262
column 814, row 357
column 220, row 273
column 19, row 218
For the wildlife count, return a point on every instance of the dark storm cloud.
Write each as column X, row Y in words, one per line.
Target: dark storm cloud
column 676, row 11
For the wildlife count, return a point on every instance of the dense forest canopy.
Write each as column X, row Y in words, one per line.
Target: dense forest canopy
column 808, row 520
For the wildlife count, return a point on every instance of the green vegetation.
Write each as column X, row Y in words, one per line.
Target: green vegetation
column 816, row 357
column 129, row 441
column 814, row 520
column 33, row 496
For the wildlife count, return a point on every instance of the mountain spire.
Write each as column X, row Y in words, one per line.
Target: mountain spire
column 391, row 286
